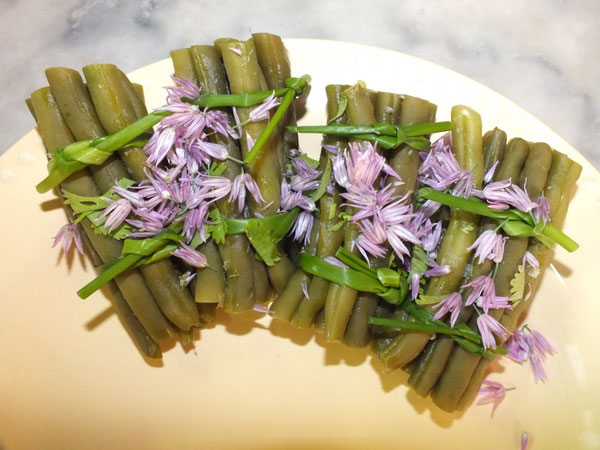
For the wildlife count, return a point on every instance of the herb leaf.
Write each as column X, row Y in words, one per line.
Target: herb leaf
column 262, row 240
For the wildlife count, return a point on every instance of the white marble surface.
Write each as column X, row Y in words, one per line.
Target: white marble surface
column 542, row 54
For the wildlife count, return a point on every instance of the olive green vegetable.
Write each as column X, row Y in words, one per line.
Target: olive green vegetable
column 56, row 134
column 460, row 234
column 109, row 93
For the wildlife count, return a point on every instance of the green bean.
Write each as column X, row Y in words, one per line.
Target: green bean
column 387, row 109
column 85, row 184
column 184, row 65
column 292, row 294
column 76, row 106
column 111, row 95
column 237, row 262
column 208, row 67
column 275, row 65
column 212, row 79
column 357, row 331
column 405, row 160
column 338, row 308
column 244, row 75
column 114, row 108
column 433, row 360
column 559, row 180
column 56, row 134
column 460, row 234
column 210, row 280
column 451, row 388
column 329, row 239
column 207, row 313
column 287, row 302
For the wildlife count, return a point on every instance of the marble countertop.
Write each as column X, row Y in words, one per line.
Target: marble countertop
column 542, row 54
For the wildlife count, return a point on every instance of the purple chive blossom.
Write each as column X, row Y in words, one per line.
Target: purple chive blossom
column 291, row 199
column 184, row 89
column 451, row 304
column 304, row 287
column 484, row 294
column 262, row 309
column 194, row 221
column 431, row 240
column 491, row 391
column 191, row 256
column 488, row 326
column 542, row 211
column 241, row 183
column 116, row 213
column 306, row 177
column 67, row 235
column 135, row 198
column 160, row 144
column 489, row 175
column 186, row 278
column 335, row 262
column 518, row 346
column 436, row 270
column 261, row 112
column 504, row 194
column 531, row 261
column 330, row 148
column 205, row 150
column 415, row 282
column 371, row 238
column 524, row 440
column 249, row 141
column 530, row 345
column 396, row 236
column 148, row 222
column 237, row 51
column 440, row 169
column 358, row 167
column 489, row 245
column 302, row 227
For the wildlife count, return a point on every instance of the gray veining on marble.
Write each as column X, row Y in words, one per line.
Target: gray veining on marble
column 542, row 54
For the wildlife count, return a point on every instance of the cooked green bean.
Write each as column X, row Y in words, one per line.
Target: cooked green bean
column 183, row 65
column 405, row 160
column 338, row 308
column 244, row 75
column 275, row 65
column 460, row 234
column 115, row 111
column 432, row 361
column 56, row 134
column 210, row 280
column 557, row 180
column 329, row 239
column 212, row 80
column 450, row 388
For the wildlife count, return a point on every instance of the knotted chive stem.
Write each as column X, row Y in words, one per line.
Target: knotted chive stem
column 361, row 277
column 512, row 221
column 386, row 135
column 79, row 155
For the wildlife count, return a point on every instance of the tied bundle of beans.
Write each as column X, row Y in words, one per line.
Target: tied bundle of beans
column 460, row 234
column 244, row 74
column 131, row 296
column 302, row 310
column 433, row 359
column 457, row 388
column 116, row 105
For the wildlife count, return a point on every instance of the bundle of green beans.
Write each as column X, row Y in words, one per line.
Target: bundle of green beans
column 155, row 305
column 556, row 174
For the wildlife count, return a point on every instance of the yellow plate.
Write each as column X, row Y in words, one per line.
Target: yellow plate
column 71, row 378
